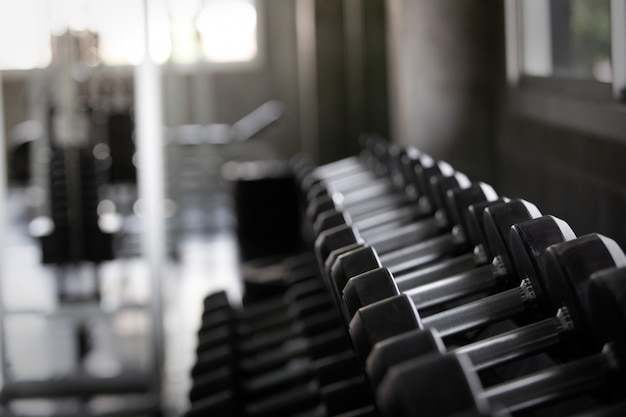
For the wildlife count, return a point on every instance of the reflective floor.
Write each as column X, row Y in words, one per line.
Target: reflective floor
column 54, row 347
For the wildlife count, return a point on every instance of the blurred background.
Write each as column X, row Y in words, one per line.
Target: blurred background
column 124, row 124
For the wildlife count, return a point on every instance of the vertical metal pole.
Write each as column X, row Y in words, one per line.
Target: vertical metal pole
column 202, row 93
column 355, row 69
column 151, row 185
column 512, row 41
column 618, row 46
column 3, row 219
column 307, row 77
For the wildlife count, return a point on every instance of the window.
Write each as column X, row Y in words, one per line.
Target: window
column 24, row 35
column 228, row 30
column 566, row 63
column 567, row 39
column 189, row 31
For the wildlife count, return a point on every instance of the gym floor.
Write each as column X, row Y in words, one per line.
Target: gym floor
column 43, row 335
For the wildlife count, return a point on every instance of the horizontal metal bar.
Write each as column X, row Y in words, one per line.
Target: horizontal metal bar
column 79, row 385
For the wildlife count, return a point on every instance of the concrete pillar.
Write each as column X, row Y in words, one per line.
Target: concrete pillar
column 441, row 60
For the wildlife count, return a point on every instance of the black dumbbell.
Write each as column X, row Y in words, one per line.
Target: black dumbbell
column 223, row 345
column 383, row 282
column 401, row 246
column 412, row 257
column 333, row 376
column 414, row 171
column 374, row 204
column 357, row 264
column 327, row 370
column 445, row 385
column 557, row 322
column 222, row 338
column 228, row 371
column 261, row 377
column 351, row 177
column 343, row 399
column 337, row 398
column 299, row 300
column 398, row 235
column 446, row 234
column 398, row 314
column 415, row 194
column 410, row 178
column 313, row 307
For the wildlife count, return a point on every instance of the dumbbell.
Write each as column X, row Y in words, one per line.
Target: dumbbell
column 410, row 181
column 306, row 289
column 327, row 370
column 346, row 398
column 310, row 306
column 368, row 210
column 446, row 385
column 229, row 371
column 400, row 235
column 383, row 282
column 406, row 261
column 325, row 373
column 337, row 398
column 398, row 314
column 413, row 170
column 363, row 266
column 372, row 172
column 224, row 342
column 398, row 245
column 409, row 170
column 222, row 336
column 553, row 322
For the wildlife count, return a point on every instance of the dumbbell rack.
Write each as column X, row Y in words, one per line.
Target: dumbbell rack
column 408, row 256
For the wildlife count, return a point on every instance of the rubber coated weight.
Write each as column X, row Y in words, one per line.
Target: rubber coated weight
column 394, row 238
column 558, row 324
column 510, row 213
column 366, row 328
column 354, row 259
column 378, row 284
column 603, row 369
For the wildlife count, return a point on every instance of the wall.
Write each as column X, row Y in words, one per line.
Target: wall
column 445, row 58
column 573, row 175
column 342, row 74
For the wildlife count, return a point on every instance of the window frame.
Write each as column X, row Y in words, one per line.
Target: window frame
column 588, row 105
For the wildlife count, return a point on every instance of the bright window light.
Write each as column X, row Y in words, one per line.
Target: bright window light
column 568, row 39
column 187, row 31
column 118, row 24
column 24, row 34
column 228, row 30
